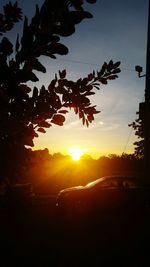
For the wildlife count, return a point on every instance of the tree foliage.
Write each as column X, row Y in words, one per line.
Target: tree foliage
column 25, row 111
column 137, row 126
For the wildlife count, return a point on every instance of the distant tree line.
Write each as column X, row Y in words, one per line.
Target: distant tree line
column 51, row 173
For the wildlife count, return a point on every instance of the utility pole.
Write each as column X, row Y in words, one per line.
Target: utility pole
column 144, row 108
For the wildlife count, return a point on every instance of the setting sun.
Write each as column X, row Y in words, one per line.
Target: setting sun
column 76, row 153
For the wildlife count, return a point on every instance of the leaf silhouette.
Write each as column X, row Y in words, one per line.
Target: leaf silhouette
column 6, row 47
column 87, row 122
column 24, row 39
column 24, row 88
column 116, row 71
column 117, row 64
column 103, row 81
column 64, row 29
column 36, row 65
column 58, row 119
column 76, row 17
column 44, row 124
column 62, row 74
column 25, row 76
column 17, row 44
column 41, row 130
column 57, row 48
column 35, row 93
column 113, row 77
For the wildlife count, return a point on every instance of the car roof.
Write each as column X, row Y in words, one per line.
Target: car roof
column 116, row 177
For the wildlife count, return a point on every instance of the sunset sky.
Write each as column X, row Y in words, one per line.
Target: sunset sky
column 118, row 31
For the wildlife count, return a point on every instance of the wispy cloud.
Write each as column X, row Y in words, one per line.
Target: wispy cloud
column 110, row 127
column 73, row 124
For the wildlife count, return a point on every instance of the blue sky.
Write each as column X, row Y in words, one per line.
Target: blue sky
column 118, row 31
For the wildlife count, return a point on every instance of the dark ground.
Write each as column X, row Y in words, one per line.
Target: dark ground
column 35, row 234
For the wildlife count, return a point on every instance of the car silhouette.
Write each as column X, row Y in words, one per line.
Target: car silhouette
column 107, row 195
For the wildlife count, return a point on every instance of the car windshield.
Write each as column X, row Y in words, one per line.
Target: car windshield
column 93, row 183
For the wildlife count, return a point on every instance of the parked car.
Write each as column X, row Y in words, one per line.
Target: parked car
column 106, row 195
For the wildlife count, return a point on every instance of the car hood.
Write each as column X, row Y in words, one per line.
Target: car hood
column 75, row 188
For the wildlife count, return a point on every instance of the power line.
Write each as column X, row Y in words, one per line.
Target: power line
column 79, row 62
column 129, row 136
column 88, row 63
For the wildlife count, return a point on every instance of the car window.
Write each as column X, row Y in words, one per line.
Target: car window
column 109, row 183
column 129, row 184
column 114, row 182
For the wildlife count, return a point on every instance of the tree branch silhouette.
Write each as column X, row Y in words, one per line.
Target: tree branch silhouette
column 25, row 111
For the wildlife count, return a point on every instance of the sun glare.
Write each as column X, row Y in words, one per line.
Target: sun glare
column 76, row 153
